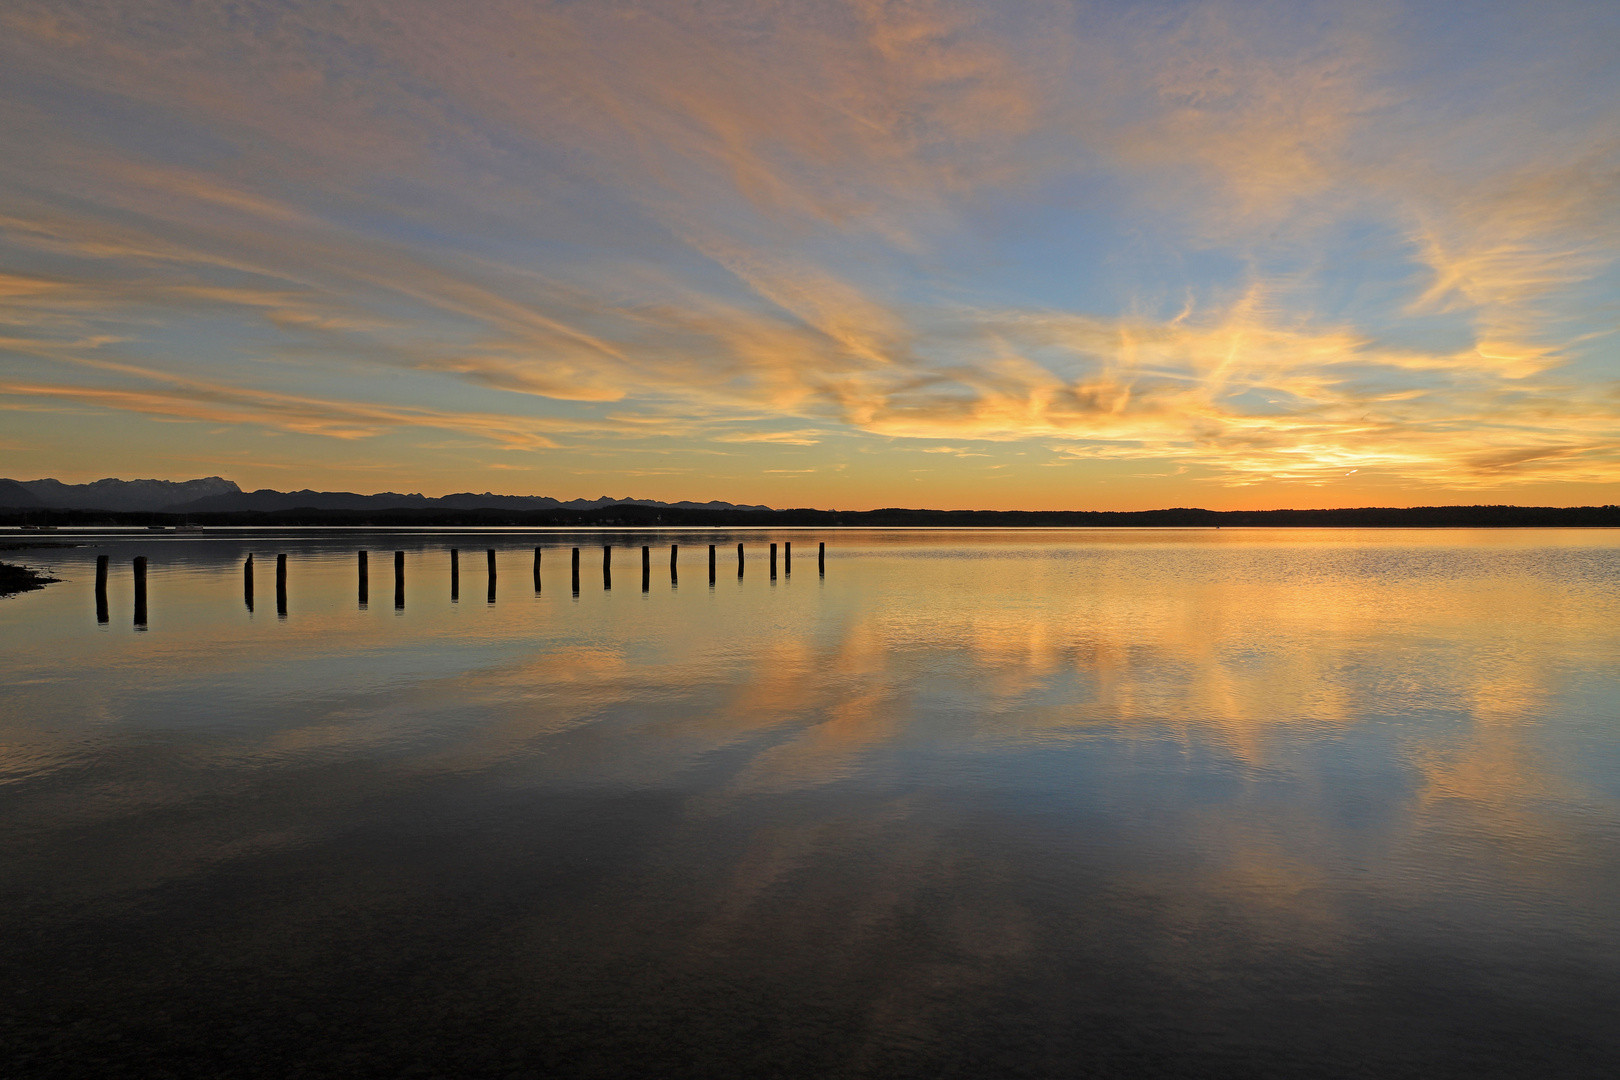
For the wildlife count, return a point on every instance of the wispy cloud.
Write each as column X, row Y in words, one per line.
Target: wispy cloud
column 174, row 397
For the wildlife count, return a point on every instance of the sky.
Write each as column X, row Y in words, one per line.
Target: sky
column 842, row 253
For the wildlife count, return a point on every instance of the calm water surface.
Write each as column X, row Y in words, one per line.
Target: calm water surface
column 1046, row 804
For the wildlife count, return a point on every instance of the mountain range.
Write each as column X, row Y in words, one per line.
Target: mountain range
column 214, row 495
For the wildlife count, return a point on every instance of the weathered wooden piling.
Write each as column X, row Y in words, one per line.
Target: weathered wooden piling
column 399, row 580
column 787, row 558
column 536, row 569
column 672, row 551
column 576, row 571
column 365, row 578
column 773, row 562
column 739, row 560
column 607, row 566
column 101, row 589
column 281, row 585
column 455, row 575
column 489, row 558
column 821, row 559
column 247, row 581
column 646, row 568
column 711, row 564
column 140, row 590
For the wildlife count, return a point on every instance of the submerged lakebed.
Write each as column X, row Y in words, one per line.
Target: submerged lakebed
column 1147, row 803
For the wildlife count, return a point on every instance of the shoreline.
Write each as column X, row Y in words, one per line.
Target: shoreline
column 642, row 517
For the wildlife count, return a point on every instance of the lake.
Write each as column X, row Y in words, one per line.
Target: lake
column 1157, row 803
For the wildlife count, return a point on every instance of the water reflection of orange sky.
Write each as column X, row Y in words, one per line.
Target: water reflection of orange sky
column 1254, row 657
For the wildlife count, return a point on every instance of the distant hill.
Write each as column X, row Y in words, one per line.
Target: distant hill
column 114, row 494
column 213, row 501
column 14, row 495
column 266, row 500
column 215, row 495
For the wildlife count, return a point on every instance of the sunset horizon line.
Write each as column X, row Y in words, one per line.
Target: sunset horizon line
column 724, row 503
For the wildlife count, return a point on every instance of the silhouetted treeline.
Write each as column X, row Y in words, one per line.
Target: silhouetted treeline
column 635, row 516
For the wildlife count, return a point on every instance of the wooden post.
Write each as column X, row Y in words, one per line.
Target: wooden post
column 489, row 558
column 821, row 559
column 247, row 582
column 576, row 571
column 711, row 564
column 365, row 579
column 140, row 590
column 536, row 569
column 399, row 580
column 101, row 589
column 787, row 558
column 773, row 562
column 281, row 585
column 646, row 568
column 455, row 575
column 607, row 566
column 739, row 560
column 672, row 551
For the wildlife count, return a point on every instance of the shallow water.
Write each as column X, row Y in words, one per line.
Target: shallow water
column 994, row 803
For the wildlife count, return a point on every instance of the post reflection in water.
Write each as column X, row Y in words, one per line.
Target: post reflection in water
column 103, row 566
column 1139, row 804
column 140, row 591
column 281, row 585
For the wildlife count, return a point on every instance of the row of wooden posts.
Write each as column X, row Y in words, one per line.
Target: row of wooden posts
column 455, row 575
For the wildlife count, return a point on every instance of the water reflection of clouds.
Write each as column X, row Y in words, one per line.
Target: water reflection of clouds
column 1291, row 729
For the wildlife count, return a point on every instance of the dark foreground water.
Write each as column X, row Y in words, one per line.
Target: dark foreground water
column 1058, row 804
